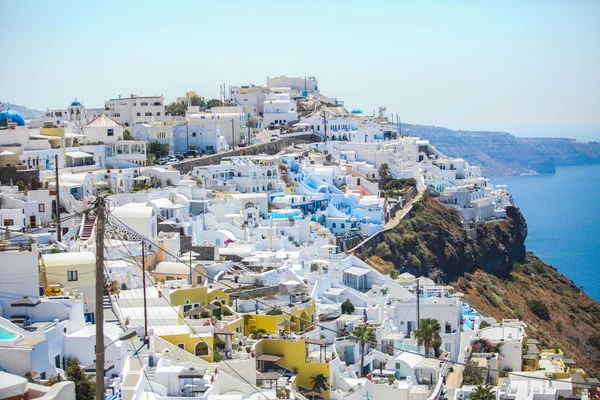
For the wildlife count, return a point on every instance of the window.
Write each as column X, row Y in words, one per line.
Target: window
column 110, row 132
column 71, row 276
column 158, row 114
column 139, row 114
column 9, row 222
column 193, row 134
column 181, row 345
column 148, row 114
column 41, row 207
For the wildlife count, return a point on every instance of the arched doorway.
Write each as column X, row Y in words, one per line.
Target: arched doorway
column 201, row 349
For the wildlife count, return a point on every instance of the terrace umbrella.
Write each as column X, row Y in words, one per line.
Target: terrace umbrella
column 26, row 302
column 194, row 311
column 211, row 307
column 330, row 247
column 287, row 324
column 270, row 298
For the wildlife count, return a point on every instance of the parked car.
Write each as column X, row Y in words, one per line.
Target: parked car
column 179, row 156
column 242, row 143
column 162, row 160
column 191, row 153
column 274, row 136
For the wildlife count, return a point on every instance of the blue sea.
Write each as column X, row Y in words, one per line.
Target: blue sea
column 562, row 211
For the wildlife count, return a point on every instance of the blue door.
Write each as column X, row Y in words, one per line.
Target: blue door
column 89, row 317
column 349, row 355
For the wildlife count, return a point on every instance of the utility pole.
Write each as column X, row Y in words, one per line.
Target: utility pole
column 187, row 134
column 325, row 123
column 144, row 287
column 99, row 316
column 232, row 134
column 57, row 213
column 418, row 310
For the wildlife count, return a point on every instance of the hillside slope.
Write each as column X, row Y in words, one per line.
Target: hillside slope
column 501, row 154
column 496, row 273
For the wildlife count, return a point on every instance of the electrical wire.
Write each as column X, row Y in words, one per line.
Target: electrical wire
column 187, row 323
column 343, row 334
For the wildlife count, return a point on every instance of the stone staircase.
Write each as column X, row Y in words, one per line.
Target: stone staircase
column 88, row 228
column 109, row 315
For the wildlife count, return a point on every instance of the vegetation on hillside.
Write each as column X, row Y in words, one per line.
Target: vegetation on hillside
column 496, row 273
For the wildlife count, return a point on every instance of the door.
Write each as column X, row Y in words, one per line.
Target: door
column 32, row 221
column 349, row 355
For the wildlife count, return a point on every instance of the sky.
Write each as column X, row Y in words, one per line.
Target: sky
column 531, row 68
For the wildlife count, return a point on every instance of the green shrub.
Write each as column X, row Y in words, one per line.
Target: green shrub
column 347, row 307
column 274, row 311
column 539, row 308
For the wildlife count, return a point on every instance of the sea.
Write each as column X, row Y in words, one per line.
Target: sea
column 562, row 211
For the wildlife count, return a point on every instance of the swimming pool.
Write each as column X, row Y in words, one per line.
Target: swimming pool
column 6, row 335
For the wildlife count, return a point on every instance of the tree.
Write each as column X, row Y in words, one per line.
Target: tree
column 483, row 392
column 347, row 307
column 363, row 335
column 193, row 147
column 384, row 172
column 320, row 383
column 197, row 101
column 85, row 389
column 158, row 149
column 127, row 135
column 247, row 318
column 214, row 103
column 428, row 333
column 175, row 109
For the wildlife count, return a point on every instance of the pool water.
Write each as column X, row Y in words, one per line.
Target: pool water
column 5, row 334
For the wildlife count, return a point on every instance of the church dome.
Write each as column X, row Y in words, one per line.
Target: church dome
column 75, row 103
column 14, row 116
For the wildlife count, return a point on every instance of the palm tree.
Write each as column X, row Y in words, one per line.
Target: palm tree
column 483, row 392
column 384, row 172
column 428, row 333
column 320, row 383
column 363, row 335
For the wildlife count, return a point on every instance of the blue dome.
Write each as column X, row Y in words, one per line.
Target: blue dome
column 75, row 103
column 14, row 116
column 356, row 111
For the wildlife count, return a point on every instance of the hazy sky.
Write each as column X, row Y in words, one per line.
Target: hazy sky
column 527, row 67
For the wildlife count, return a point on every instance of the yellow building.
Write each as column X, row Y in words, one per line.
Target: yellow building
column 270, row 323
column 293, row 356
column 199, row 344
column 72, row 270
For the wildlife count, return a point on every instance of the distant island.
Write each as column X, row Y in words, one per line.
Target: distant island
column 501, row 154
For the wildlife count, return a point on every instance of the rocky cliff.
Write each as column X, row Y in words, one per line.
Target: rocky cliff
column 496, row 273
column 501, row 154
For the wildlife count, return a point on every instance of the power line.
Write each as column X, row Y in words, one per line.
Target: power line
column 342, row 334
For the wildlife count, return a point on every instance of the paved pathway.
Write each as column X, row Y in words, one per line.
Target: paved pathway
column 400, row 214
column 454, row 379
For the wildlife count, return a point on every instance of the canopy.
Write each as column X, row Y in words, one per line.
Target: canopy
column 356, row 271
column 269, row 357
column 141, row 178
column 100, row 183
column 320, row 342
column 79, row 154
column 267, row 376
column 6, row 153
column 194, row 311
column 25, row 301
column 191, row 373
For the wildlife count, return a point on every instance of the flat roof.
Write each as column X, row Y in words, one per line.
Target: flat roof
column 269, row 357
column 356, row 271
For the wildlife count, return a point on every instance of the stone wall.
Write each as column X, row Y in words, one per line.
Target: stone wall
column 18, row 174
column 269, row 148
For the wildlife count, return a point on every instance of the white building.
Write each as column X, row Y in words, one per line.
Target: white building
column 279, row 109
column 308, row 85
column 135, row 109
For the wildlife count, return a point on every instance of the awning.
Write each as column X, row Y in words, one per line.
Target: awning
column 320, row 342
column 269, row 357
column 334, row 291
column 356, row 271
column 141, row 178
column 79, row 154
column 267, row 376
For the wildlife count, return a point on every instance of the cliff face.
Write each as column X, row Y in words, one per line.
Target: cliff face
column 501, row 154
column 498, row 276
column 432, row 242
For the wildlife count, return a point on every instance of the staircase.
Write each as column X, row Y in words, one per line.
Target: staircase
column 88, row 228
column 109, row 315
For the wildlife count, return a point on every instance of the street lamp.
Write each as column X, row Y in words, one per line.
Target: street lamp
column 126, row 336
